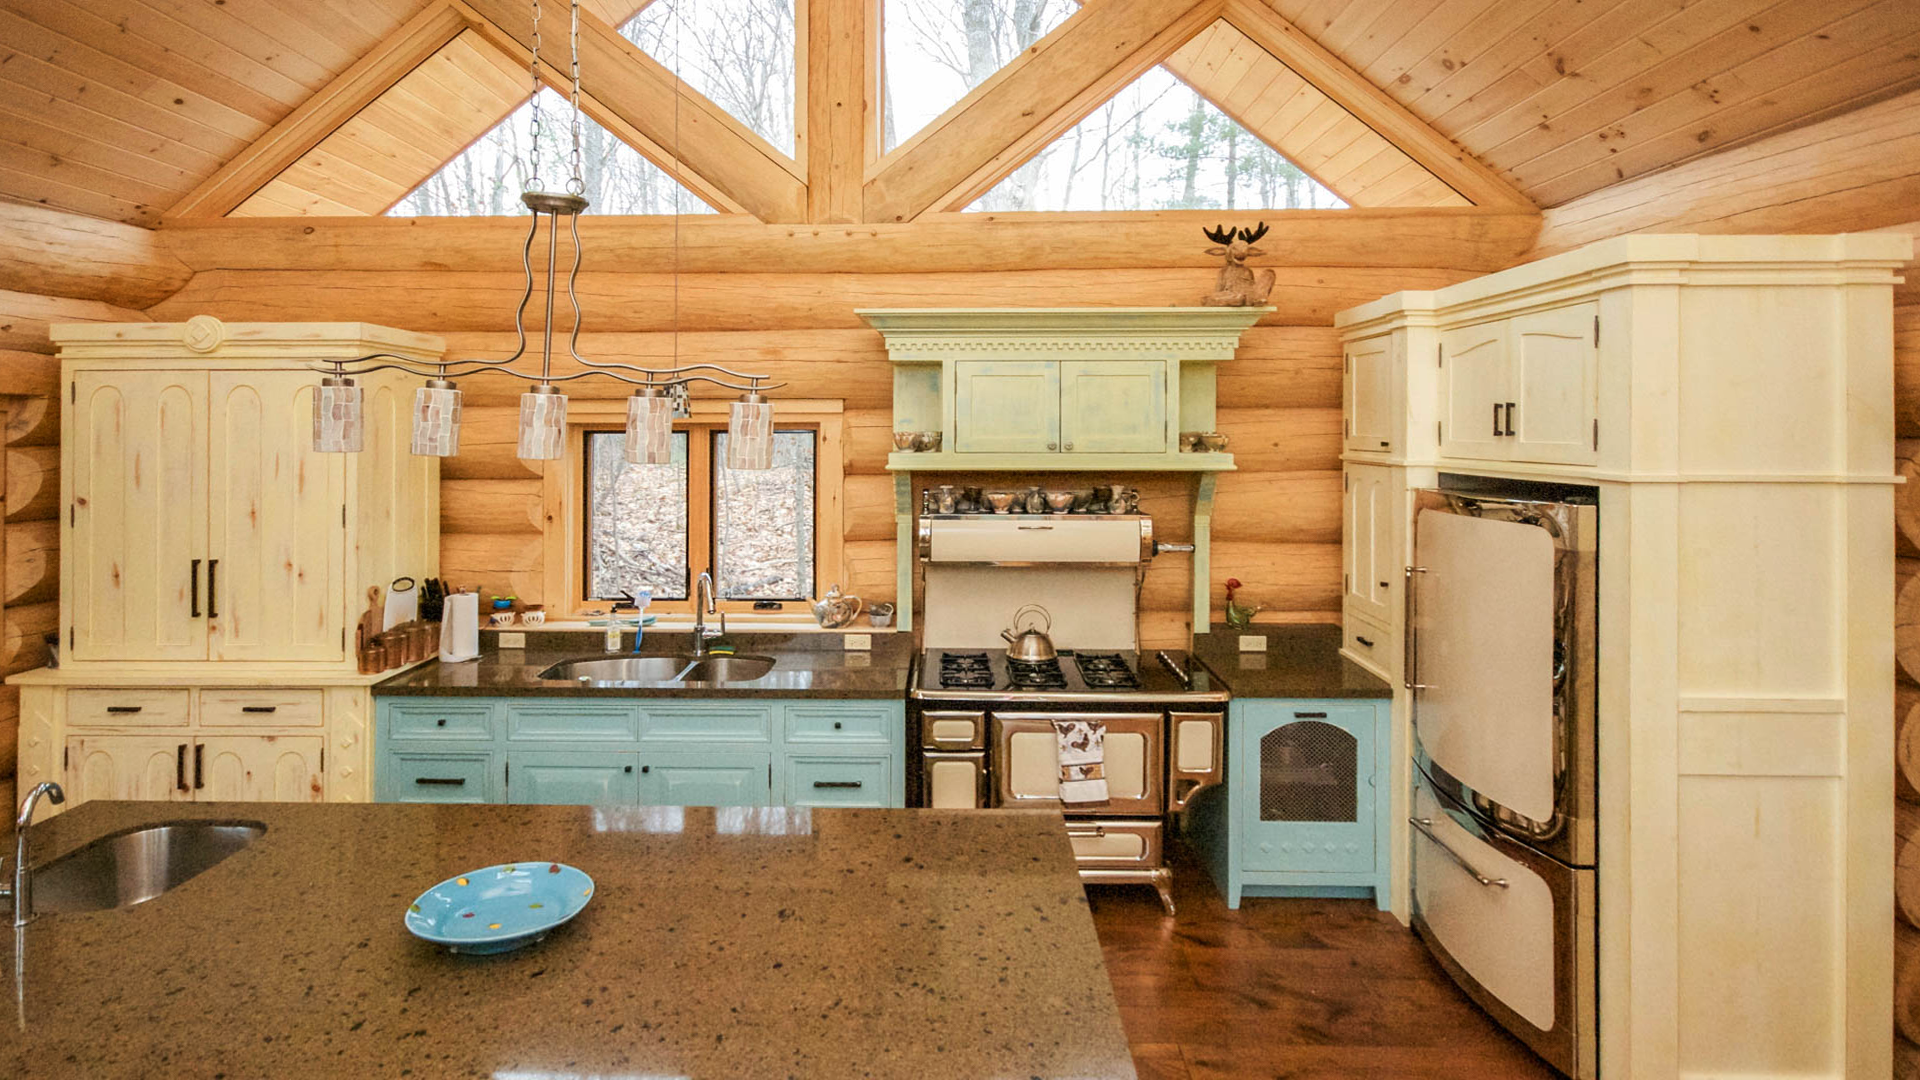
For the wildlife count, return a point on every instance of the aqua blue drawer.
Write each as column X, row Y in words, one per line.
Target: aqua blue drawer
column 706, row 723
column 436, row 777
column 839, row 781
column 832, row 724
column 569, row 721
column 433, row 720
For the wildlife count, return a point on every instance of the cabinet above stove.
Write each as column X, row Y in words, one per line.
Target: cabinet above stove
column 1073, row 389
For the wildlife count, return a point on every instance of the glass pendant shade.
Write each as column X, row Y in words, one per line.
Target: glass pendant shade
column 436, row 419
column 338, row 422
column 543, row 424
column 649, row 428
column 750, row 433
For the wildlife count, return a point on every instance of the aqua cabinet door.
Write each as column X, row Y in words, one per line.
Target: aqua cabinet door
column 1006, row 407
column 1113, row 407
column 706, row 779
column 1307, row 773
column 573, row 778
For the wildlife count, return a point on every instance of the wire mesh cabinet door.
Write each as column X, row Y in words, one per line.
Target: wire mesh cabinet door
column 1307, row 769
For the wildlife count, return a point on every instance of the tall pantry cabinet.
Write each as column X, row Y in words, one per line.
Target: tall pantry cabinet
column 1729, row 398
column 213, row 567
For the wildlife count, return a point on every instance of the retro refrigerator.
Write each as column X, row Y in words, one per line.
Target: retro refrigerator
column 1501, row 664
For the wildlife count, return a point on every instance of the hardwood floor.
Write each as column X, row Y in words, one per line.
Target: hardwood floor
column 1285, row 988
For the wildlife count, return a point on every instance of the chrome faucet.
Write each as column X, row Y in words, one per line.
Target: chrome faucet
column 701, row 609
column 22, row 891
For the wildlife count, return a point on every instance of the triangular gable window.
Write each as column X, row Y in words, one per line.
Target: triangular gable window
column 738, row 54
column 935, row 51
column 1158, row 145
column 488, row 176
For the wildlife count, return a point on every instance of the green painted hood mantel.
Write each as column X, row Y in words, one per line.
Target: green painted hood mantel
column 1058, row 388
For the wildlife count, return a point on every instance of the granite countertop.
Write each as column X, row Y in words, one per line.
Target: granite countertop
column 1301, row 661
column 729, row 943
column 808, row 666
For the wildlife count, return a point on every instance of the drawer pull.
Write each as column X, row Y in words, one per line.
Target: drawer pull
column 836, row 725
column 1368, row 642
column 1097, row 832
column 628, row 769
column 443, row 781
column 260, row 708
column 442, row 722
column 837, row 783
column 1425, row 827
column 1309, row 716
column 124, row 708
column 199, row 758
column 180, row 767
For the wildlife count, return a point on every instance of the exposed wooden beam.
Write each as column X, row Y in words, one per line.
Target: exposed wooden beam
column 647, row 98
column 320, row 115
column 54, row 253
column 1468, row 239
column 1456, row 167
column 1030, row 102
column 837, row 104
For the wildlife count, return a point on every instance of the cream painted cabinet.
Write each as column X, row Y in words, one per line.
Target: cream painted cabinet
column 1006, row 407
column 259, row 768
column 137, row 528
column 1371, row 549
column 1369, row 394
column 1060, row 407
column 146, row 767
column 1523, row 389
column 276, row 523
column 1113, row 407
column 1473, row 391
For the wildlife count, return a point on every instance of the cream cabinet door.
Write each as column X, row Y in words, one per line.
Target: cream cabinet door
column 277, row 537
column 1369, row 394
column 138, row 538
column 258, row 768
column 1556, row 388
column 1473, row 391
column 1371, row 549
column 144, row 767
column 1114, row 407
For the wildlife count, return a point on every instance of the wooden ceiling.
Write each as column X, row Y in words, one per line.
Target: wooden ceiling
column 121, row 109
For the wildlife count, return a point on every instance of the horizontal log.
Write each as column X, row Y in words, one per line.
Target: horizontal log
column 869, row 570
column 489, row 447
column 502, row 507
column 1906, row 982
column 1906, row 862
column 1278, row 507
column 1165, row 629
column 1906, row 1059
column 26, row 628
column 866, row 439
column 33, row 561
column 494, row 564
column 29, row 372
column 24, row 317
column 33, row 421
column 1906, row 617
column 449, row 302
column 1906, row 368
column 1282, row 368
column 1282, row 440
column 33, row 483
column 868, row 506
column 9, row 739
column 1906, row 742
column 59, row 254
column 1279, row 577
column 1470, row 239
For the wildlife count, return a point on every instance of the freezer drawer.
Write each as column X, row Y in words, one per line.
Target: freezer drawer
column 1107, row 844
column 1513, row 927
column 1026, row 755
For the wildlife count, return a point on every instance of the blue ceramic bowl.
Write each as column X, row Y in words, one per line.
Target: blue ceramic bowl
column 498, row 908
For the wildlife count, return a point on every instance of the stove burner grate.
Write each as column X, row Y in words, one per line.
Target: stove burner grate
column 1106, row 671
column 1036, row 674
column 965, row 671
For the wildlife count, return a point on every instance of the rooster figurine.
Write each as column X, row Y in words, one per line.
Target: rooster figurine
column 1239, row 616
column 1238, row 285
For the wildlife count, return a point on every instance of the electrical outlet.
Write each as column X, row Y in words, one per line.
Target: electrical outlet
column 513, row 640
column 857, row 642
column 1248, row 642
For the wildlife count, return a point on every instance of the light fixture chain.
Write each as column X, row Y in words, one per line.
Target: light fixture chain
column 577, row 184
column 533, row 145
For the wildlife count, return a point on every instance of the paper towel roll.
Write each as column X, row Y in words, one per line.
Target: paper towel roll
column 460, row 627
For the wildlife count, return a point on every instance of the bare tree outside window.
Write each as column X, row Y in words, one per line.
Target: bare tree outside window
column 937, row 50
column 739, row 54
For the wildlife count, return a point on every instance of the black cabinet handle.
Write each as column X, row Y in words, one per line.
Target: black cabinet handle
column 1496, row 419
column 440, row 722
column 836, row 783
column 836, row 725
column 629, row 768
column 443, row 781
column 180, row 766
column 1364, row 641
column 124, row 708
column 1309, row 716
column 213, row 588
column 1510, row 407
column 646, row 768
column 259, row 708
column 199, row 780
column 193, row 591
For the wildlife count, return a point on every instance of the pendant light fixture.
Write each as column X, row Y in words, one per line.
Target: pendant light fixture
column 338, row 419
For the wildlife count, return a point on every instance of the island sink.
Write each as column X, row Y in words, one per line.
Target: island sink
column 662, row 669
column 132, row 867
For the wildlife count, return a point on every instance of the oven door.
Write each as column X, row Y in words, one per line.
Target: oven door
column 1027, row 757
column 954, row 781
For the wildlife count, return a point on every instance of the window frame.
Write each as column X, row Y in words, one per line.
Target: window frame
column 564, row 482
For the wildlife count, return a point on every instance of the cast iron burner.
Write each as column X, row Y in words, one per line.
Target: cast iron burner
column 965, row 671
column 1106, row 671
column 1036, row 674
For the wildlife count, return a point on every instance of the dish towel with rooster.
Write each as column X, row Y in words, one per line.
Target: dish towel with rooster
column 1083, row 760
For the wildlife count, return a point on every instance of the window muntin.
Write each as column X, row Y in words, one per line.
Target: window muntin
column 935, row 51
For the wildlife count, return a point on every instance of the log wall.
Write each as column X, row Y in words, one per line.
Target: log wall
column 1856, row 172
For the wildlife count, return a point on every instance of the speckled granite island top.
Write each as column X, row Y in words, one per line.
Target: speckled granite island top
column 722, row 943
column 1299, row 662
column 806, row 666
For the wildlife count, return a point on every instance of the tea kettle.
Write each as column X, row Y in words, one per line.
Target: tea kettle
column 1031, row 644
column 836, row 610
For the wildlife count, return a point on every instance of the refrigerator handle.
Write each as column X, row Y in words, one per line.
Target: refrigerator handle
column 1411, row 660
column 1425, row 828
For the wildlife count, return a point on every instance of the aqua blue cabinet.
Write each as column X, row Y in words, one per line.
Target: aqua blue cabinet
column 641, row 752
column 1304, row 809
column 1006, row 406
column 1064, row 406
column 1113, row 406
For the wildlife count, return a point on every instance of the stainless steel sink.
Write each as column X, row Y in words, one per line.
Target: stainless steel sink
column 721, row 669
column 133, row 867
column 662, row 669
column 623, row 669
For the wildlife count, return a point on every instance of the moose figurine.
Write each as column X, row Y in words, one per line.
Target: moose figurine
column 1238, row 286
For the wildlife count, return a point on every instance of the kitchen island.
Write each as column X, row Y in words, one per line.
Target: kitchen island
column 731, row 942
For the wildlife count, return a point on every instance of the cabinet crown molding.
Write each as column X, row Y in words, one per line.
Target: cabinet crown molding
column 205, row 337
column 916, row 335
